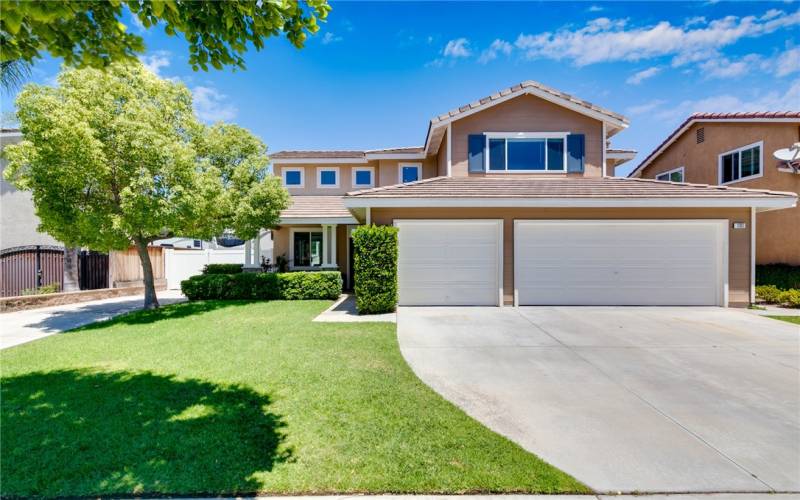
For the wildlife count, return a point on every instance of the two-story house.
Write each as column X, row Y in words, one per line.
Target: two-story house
column 736, row 149
column 509, row 201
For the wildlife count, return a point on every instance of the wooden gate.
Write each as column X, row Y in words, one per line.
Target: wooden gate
column 29, row 268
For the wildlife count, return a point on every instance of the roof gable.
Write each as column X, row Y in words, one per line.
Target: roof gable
column 438, row 125
column 761, row 116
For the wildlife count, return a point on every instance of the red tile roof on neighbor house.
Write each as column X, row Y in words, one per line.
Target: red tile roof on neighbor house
column 574, row 187
column 707, row 117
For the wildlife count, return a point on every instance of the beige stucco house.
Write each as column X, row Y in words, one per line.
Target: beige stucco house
column 736, row 150
column 511, row 201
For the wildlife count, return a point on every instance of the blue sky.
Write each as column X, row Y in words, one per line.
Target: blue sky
column 377, row 72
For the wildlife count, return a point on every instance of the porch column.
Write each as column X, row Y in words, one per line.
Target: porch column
column 257, row 250
column 247, row 253
column 329, row 245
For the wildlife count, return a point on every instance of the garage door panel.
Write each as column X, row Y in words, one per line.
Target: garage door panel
column 618, row 263
column 448, row 262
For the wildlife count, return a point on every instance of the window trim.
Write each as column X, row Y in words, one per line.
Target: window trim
column 400, row 166
column 668, row 173
column 320, row 185
column 292, row 231
column 524, row 135
column 760, row 145
column 302, row 171
column 371, row 171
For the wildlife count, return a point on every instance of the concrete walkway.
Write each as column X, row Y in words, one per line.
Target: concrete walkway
column 344, row 311
column 20, row 327
column 636, row 399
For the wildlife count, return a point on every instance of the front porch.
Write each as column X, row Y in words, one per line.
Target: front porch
column 314, row 234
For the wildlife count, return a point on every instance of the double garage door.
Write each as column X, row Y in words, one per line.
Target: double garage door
column 563, row 262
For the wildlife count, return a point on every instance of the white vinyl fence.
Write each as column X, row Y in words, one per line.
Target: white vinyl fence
column 180, row 264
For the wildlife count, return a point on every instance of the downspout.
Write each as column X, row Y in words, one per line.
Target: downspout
column 605, row 146
column 752, row 255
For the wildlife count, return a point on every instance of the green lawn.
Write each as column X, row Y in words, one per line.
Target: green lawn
column 788, row 319
column 234, row 397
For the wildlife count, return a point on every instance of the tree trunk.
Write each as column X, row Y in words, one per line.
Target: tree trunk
column 72, row 278
column 150, row 299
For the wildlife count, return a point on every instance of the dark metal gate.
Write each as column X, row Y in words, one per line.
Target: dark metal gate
column 31, row 267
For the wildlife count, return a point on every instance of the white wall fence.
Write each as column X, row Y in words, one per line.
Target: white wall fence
column 180, row 264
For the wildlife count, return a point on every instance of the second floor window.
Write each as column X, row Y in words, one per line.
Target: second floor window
column 362, row 177
column 527, row 153
column 674, row 175
column 740, row 164
column 409, row 173
column 328, row 177
column 293, row 177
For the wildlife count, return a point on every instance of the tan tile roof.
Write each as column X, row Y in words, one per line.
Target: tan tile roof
column 703, row 117
column 411, row 149
column 315, row 207
column 317, row 154
column 514, row 187
column 521, row 86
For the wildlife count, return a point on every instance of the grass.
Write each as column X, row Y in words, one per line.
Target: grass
column 234, row 398
column 788, row 319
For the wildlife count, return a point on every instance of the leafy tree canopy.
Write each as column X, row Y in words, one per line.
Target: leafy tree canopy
column 117, row 157
column 91, row 32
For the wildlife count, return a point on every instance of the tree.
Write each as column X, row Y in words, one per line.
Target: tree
column 91, row 32
column 13, row 74
column 117, row 157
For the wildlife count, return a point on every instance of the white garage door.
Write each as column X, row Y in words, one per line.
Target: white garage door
column 449, row 262
column 620, row 262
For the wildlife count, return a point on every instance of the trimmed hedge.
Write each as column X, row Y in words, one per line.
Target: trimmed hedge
column 264, row 286
column 222, row 268
column 375, row 268
column 782, row 276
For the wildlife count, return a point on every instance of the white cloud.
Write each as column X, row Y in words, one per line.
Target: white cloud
column 138, row 23
column 155, row 61
column 726, row 103
column 603, row 39
column 723, row 67
column 457, row 48
column 211, row 105
column 595, row 8
column 498, row 46
column 329, row 37
column 647, row 107
column 788, row 62
column 640, row 76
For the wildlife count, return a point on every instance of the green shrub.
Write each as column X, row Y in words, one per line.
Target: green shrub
column 42, row 290
column 375, row 268
column 222, row 268
column 310, row 285
column 264, row 286
column 769, row 293
column 782, row 276
column 791, row 298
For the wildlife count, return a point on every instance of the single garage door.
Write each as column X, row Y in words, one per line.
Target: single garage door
column 449, row 262
column 613, row 262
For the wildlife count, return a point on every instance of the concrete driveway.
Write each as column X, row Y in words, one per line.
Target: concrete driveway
column 20, row 327
column 625, row 399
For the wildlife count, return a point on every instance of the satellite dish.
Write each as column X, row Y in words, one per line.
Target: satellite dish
column 789, row 155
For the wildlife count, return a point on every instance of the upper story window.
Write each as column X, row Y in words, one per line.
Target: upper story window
column 293, row 177
column 328, row 177
column 742, row 163
column 526, row 152
column 674, row 175
column 410, row 172
column 363, row 177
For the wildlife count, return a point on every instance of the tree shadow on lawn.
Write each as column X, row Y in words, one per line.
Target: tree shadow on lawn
column 84, row 432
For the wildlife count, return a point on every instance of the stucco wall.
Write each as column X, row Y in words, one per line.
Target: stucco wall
column 19, row 222
column 777, row 232
column 527, row 114
column 739, row 239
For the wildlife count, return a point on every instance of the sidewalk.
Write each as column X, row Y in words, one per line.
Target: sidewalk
column 678, row 496
column 25, row 326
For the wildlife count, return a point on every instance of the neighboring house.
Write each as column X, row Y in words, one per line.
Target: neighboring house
column 509, row 201
column 19, row 221
column 736, row 150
